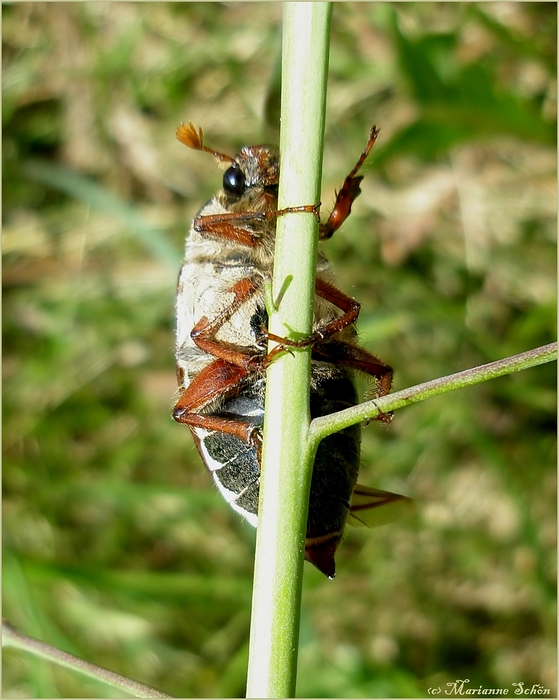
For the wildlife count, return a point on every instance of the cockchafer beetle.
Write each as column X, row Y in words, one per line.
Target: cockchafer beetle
column 221, row 340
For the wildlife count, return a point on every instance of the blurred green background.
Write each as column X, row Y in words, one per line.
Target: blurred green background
column 116, row 545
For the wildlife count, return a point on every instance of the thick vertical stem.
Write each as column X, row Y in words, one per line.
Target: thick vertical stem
column 285, row 482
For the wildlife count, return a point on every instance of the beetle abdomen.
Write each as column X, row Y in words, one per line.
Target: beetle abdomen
column 235, row 464
column 236, row 471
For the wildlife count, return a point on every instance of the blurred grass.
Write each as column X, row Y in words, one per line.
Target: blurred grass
column 116, row 546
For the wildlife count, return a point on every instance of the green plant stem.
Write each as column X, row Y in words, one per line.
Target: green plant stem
column 11, row 637
column 285, row 483
column 326, row 425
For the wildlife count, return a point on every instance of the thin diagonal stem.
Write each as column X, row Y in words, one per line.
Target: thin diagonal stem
column 11, row 637
column 326, row 425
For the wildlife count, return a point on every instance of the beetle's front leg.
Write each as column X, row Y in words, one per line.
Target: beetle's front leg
column 348, row 194
column 234, row 226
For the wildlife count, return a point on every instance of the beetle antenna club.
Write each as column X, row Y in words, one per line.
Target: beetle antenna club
column 189, row 136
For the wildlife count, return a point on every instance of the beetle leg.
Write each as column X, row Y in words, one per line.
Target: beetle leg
column 349, row 306
column 339, row 351
column 220, row 379
column 348, row 194
column 343, row 353
column 223, row 377
column 228, row 225
column 204, row 332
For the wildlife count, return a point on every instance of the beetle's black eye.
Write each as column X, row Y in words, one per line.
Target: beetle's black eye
column 234, row 181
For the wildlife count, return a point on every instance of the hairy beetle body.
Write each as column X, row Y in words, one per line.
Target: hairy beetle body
column 221, row 347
